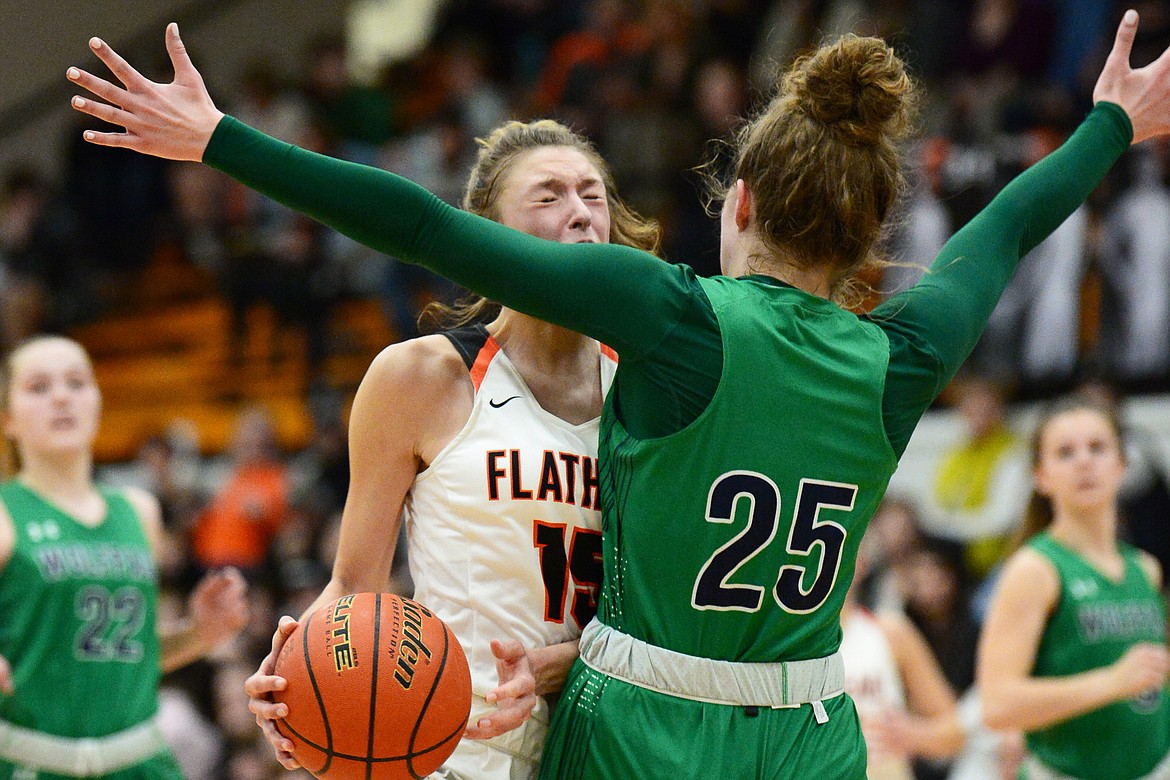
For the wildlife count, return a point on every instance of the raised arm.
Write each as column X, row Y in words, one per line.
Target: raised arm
column 624, row 297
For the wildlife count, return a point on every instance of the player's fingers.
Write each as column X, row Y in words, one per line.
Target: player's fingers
column 117, row 65
column 103, row 111
column 513, row 689
column 117, row 140
column 221, row 587
column 508, row 717
column 286, row 760
column 260, row 685
column 281, row 745
column 111, row 93
column 210, row 583
column 284, row 629
column 265, row 709
column 1118, row 60
column 180, row 59
column 487, row 728
column 511, row 650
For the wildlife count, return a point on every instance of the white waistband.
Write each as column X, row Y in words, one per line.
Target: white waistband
column 80, row 757
column 784, row 684
column 1038, row 770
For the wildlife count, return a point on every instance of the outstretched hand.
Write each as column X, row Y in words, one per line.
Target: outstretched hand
column 218, row 606
column 173, row 120
column 515, row 697
column 1143, row 93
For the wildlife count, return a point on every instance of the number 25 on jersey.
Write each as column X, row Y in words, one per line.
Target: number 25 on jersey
column 712, row 589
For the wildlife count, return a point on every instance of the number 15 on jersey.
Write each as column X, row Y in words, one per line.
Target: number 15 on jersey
column 578, row 560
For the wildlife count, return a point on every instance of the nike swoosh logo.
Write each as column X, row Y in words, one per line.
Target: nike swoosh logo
column 492, row 403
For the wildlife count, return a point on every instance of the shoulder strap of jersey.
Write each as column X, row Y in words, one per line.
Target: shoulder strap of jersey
column 468, row 341
column 477, row 348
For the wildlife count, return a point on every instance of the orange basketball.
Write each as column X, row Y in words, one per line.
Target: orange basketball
column 378, row 689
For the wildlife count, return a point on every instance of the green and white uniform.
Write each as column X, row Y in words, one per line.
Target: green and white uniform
column 750, row 432
column 78, row 628
column 1095, row 622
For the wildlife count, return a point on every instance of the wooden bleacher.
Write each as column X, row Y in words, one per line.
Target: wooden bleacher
column 166, row 355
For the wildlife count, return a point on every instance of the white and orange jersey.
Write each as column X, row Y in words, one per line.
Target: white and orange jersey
column 873, row 681
column 503, row 527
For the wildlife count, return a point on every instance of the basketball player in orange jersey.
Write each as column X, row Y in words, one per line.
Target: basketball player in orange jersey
column 484, row 438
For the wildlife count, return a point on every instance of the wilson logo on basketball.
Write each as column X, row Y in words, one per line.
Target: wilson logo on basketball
column 411, row 648
column 343, row 655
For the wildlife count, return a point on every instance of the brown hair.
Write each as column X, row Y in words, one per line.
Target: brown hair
column 496, row 154
column 9, row 456
column 822, row 162
column 1039, row 513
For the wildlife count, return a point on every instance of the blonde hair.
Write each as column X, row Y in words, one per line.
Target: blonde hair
column 822, row 159
column 9, row 454
column 497, row 152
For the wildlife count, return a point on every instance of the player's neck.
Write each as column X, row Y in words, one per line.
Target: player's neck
column 61, row 478
column 560, row 368
column 1091, row 534
column 752, row 256
column 546, row 344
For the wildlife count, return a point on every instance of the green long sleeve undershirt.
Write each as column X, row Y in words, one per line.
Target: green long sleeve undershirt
column 655, row 314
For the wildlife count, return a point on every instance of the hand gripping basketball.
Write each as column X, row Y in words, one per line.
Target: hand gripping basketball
column 378, row 687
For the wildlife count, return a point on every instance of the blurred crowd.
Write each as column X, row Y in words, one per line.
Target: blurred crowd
column 1005, row 81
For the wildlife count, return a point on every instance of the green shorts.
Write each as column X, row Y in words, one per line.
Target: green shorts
column 605, row 729
column 162, row 766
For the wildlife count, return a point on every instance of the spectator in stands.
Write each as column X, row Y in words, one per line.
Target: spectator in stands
column 355, row 118
column 937, row 598
column 1034, row 333
column 244, row 515
column 1135, row 265
column 981, row 481
column 893, row 536
column 124, row 208
column 40, row 261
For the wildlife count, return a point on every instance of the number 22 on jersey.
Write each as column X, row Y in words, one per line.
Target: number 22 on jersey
column 712, row 589
column 579, row 560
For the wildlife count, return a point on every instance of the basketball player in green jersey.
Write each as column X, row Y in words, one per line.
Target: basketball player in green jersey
column 81, row 654
column 1073, row 652
column 754, row 422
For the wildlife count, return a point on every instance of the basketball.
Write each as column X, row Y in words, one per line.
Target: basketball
column 378, row 687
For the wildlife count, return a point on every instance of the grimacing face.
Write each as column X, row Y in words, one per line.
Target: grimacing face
column 555, row 193
column 1080, row 465
column 53, row 403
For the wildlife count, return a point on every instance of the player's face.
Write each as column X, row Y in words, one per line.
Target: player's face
column 556, row 193
column 53, row 400
column 1080, row 465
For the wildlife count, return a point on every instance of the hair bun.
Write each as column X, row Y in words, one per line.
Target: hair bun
column 857, row 86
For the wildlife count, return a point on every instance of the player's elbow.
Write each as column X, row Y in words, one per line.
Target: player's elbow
column 998, row 711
